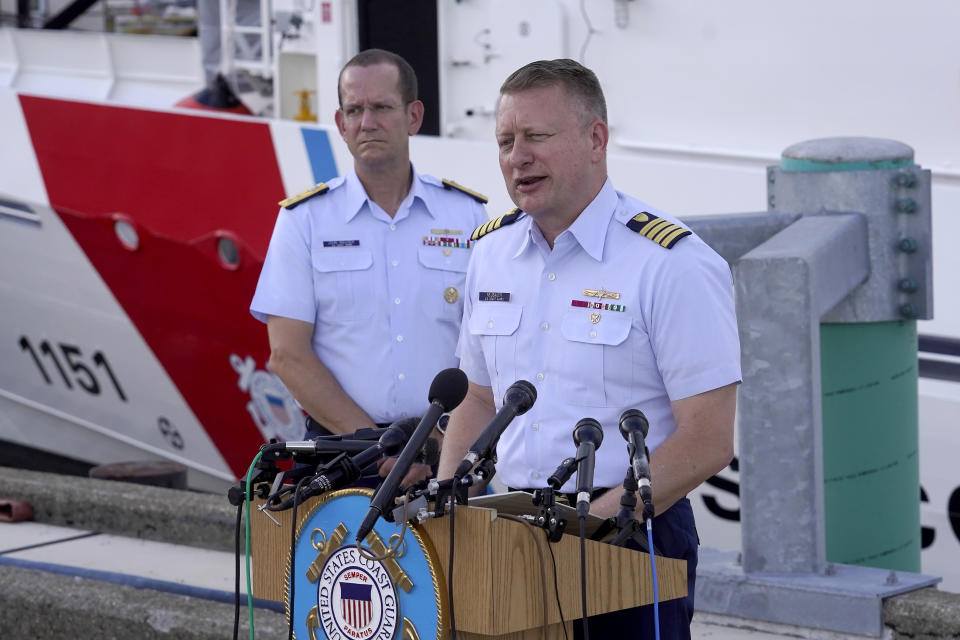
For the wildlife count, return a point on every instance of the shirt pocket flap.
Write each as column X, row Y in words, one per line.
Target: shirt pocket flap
column 609, row 328
column 342, row 259
column 495, row 319
column 435, row 258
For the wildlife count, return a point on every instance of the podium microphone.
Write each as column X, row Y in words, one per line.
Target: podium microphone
column 634, row 428
column 587, row 435
column 447, row 391
column 390, row 443
column 517, row 400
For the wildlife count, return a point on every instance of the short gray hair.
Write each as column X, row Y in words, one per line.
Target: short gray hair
column 564, row 72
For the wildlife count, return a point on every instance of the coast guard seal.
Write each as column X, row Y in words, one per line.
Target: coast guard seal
column 356, row 598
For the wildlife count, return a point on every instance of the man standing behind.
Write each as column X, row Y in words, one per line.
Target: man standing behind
column 361, row 286
column 604, row 304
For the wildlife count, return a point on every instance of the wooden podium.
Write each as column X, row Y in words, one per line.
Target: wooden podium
column 501, row 567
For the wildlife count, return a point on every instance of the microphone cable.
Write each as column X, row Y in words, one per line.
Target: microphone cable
column 653, row 571
column 583, row 575
column 247, row 496
column 236, row 572
column 293, row 549
column 453, row 617
column 539, row 542
column 556, row 589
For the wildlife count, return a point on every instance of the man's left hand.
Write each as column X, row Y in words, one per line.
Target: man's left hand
column 416, row 473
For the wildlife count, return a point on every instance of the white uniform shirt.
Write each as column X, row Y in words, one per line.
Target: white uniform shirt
column 385, row 294
column 530, row 314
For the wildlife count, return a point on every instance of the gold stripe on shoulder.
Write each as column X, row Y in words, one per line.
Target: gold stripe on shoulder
column 292, row 201
column 492, row 225
column 479, row 197
column 655, row 228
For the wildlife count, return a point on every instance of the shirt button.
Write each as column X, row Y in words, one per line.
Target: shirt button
column 394, row 263
column 539, row 376
column 399, row 338
column 593, row 333
column 393, row 227
column 535, row 474
column 397, row 301
column 490, row 325
column 535, row 426
column 403, row 414
column 400, row 377
column 551, row 276
column 544, row 325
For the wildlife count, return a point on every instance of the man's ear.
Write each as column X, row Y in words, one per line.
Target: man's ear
column 600, row 137
column 414, row 117
column 338, row 118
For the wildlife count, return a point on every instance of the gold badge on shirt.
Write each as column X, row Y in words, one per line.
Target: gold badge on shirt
column 601, row 293
column 451, row 295
column 594, row 318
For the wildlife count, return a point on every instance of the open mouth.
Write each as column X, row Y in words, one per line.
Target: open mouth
column 525, row 184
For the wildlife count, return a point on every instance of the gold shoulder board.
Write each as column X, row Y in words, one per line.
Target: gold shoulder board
column 450, row 184
column 664, row 233
column 318, row 189
column 496, row 223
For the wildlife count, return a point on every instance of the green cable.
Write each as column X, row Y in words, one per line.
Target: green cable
column 249, row 582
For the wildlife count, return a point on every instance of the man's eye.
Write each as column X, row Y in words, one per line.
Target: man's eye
column 383, row 108
column 353, row 112
column 505, row 143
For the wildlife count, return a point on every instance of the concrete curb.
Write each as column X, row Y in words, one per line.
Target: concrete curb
column 196, row 519
column 35, row 604
column 926, row 614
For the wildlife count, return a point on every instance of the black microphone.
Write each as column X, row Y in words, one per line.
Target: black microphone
column 634, row 428
column 313, row 447
column 517, row 400
column 587, row 435
column 562, row 473
column 367, row 433
column 447, row 391
column 391, row 442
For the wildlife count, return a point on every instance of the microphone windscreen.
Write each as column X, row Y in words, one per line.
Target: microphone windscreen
column 448, row 389
column 430, row 453
column 407, row 426
column 633, row 418
column 588, row 430
column 522, row 395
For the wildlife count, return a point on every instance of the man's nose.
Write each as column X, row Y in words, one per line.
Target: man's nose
column 367, row 118
column 520, row 154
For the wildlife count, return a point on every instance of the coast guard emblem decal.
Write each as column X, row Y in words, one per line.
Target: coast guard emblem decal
column 356, row 598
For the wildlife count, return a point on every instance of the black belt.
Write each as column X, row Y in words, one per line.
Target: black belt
column 315, row 429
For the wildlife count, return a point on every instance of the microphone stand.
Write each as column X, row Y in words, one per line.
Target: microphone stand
column 630, row 528
column 549, row 517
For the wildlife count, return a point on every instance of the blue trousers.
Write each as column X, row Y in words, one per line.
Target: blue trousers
column 675, row 536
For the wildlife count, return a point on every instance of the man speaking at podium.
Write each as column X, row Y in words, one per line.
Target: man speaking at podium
column 361, row 288
column 604, row 304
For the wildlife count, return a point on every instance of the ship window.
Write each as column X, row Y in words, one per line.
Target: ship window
column 228, row 252
column 18, row 211
column 126, row 234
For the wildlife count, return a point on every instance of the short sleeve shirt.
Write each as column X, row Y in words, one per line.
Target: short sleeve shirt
column 605, row 321
column 385, row 295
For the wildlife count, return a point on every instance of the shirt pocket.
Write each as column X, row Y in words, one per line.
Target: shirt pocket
column 595, row 362
column 496, row 323
column 343, row 284
column 440, row 291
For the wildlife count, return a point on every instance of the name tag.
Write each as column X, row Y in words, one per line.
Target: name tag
column 341, row 243
column 494, row 296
